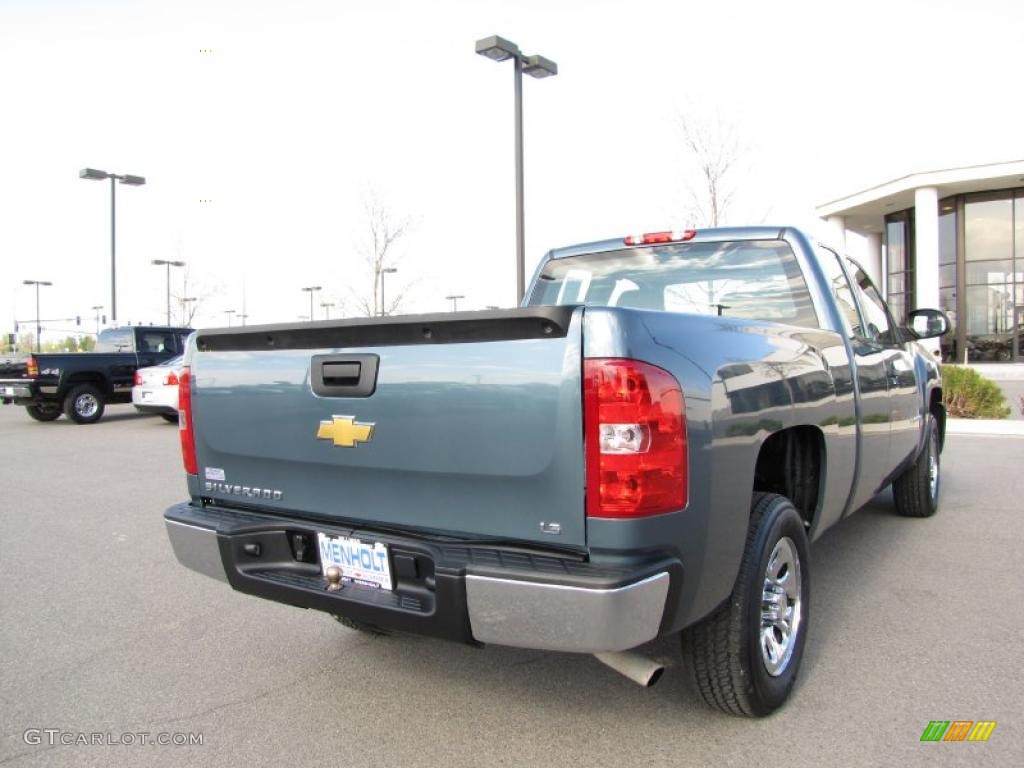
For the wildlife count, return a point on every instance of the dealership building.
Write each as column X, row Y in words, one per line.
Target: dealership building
column 952, row 239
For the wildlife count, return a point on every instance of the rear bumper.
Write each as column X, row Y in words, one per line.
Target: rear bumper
column 20, row 389
column 163, row 410
column 468, row 594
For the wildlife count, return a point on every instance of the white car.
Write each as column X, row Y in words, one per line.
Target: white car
column 156, row 389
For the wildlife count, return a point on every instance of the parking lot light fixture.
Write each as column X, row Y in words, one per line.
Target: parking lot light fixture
column 455, row 301
column 39, row 328
column 185, row 301
column 133, row 181
column 499, row 49
column 168, row 264
column 311, row 289
column 327, row 308
column 229, row 313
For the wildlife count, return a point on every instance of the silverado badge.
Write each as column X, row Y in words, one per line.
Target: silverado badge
column 345, row 431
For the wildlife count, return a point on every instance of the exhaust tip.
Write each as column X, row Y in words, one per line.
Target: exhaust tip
column 637, row 668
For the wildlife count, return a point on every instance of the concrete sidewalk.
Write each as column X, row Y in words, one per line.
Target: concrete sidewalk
column 1010, row 427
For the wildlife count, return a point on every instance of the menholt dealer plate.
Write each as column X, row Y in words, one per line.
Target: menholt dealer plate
column 359, row 562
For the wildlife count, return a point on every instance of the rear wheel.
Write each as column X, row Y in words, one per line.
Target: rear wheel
column 46, row 412
column 84, row 404
column 916, row 491
column 745, row 656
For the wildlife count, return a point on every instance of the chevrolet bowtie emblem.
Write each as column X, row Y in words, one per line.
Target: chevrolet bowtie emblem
column 345, row 431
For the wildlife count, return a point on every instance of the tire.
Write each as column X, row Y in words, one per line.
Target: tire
column 48, row 412
column 358, row 626
column 84, row 404
column 735, row 667
column 916, row 491
column 170, row 419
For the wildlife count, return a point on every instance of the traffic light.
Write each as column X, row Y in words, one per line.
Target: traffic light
column 12, row 340
column 78, row 319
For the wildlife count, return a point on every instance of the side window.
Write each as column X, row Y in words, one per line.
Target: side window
column 878, row 321
column 841, row 291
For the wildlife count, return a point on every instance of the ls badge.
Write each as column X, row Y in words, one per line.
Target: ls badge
column 345, row 431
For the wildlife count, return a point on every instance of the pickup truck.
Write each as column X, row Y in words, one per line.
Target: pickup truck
column 80, row 384
column 645, row 447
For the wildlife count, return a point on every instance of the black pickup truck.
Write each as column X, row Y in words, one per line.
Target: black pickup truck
column 80, row 384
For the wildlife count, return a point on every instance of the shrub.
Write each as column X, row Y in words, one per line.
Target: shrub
column 969, row 395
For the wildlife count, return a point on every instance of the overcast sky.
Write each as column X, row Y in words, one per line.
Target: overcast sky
column 301, row 110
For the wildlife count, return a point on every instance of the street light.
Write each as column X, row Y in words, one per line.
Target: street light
column 168, row 264
column 229, row 313
column 243, row 318
column 455, row 301
column 388, row 271
column 499, row 49
column 97, row 309
column 327, row 307
column 311, row 289
column 132, row 181
column 186, row 300
column 39, row 328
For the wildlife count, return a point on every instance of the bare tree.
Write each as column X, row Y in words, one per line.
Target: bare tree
column 383, row 231
column 713, row 150
column 194, row 292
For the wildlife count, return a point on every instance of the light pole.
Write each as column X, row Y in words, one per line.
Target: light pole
column 388, row 271
column 39, row 328
column 229, row 313
column 97, row 309
column 184, row 301
column 133, row 181
column 499, row 49
column 311, row 289
column 243, row 317
column 168, row 264
column 327, row 307
column 455, row 301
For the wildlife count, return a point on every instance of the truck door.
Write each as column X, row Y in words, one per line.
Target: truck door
column 903, row 402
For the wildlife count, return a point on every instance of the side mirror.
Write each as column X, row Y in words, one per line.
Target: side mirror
column 928, row 323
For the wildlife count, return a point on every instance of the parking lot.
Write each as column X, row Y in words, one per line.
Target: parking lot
column 101, row 631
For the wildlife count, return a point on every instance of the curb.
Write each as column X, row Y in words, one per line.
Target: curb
column 1010, row 427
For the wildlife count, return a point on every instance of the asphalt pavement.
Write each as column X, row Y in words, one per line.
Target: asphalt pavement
column 103, row 632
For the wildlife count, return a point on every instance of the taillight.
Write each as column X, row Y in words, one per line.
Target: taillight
column 138, row 378
column 32, row 368
column 188, row 435
column 171, row 379
column 653, row 238
column 635, row 437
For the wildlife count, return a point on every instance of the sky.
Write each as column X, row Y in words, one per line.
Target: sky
column 264, row 128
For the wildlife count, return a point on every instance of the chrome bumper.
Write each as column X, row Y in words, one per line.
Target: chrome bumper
column 15, row 388
column 559, row 618
column 522, row 614
column 196, row 548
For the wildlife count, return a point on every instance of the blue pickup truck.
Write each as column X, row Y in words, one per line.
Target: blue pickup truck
column 646, row 447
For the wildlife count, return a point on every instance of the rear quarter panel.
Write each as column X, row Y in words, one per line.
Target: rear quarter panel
column 741, row 382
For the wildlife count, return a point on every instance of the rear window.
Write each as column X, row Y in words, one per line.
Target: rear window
column 116, row 340
column 753, row 280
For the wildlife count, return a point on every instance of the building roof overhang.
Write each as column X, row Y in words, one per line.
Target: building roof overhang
column 865, row 211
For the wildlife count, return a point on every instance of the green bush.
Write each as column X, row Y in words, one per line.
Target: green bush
column 969, row 395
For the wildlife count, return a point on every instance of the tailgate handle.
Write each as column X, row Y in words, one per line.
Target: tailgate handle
column 344, row 375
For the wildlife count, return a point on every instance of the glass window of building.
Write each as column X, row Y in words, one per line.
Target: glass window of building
column 991, row 277
column 899, row 248
column 947, row 275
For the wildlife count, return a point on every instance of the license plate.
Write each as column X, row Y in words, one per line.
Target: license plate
column 360, row 562
column 146, row 395
column 8, row 391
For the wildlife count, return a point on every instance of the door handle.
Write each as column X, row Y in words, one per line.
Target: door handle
column 344, row 375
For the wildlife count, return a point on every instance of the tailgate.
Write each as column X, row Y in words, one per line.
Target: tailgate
column 466, row 423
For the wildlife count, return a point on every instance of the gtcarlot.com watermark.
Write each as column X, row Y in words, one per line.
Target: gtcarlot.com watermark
column 54, row 737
